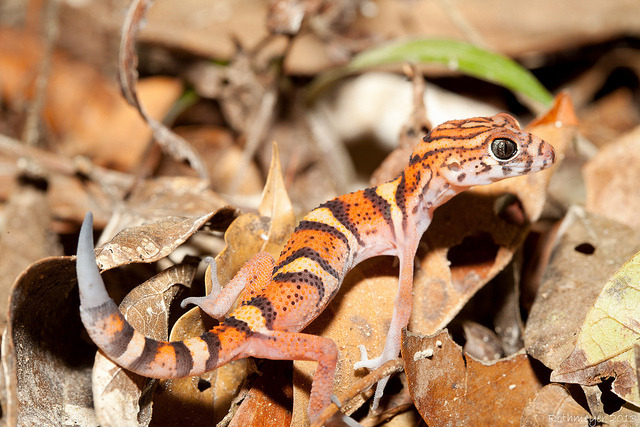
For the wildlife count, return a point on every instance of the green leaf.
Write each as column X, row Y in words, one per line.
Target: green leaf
column 456, row 55
column 609, row 342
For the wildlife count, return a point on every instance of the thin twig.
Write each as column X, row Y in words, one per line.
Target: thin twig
column 418, row 120
column 261, row 122
column 169, row 141
column 389, row 368
column 51, row 162
column 334, row 155
column 462, row 24
column 31, row 132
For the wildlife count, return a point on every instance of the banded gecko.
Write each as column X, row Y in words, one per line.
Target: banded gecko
column 279, row 298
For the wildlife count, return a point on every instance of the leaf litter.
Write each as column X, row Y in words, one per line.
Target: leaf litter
column 155, row 208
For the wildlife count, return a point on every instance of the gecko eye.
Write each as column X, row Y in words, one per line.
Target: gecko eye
column 504, row 149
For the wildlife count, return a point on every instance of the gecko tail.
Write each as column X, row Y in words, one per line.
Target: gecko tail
column 126, row 346
column 92, row 290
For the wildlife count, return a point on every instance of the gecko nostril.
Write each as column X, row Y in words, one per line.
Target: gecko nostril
column 550, row 153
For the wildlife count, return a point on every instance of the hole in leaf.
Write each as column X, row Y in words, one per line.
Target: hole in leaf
column 509, row 208
column 203, row 384
column 473, row 250
column 37, row 182
column 475, row 255
column 585, row 248
column 611, row 402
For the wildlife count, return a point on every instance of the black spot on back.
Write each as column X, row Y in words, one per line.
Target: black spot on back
column 239, row 325
column 305, row 277
column 340, row 211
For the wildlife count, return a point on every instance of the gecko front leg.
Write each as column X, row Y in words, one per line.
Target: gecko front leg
column 399, row 320
column 249, row 281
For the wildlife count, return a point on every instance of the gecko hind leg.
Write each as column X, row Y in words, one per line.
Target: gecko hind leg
column 254, row 275
column 282, row 345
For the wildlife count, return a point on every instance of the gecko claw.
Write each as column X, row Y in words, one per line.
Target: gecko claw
column 372, row 364
column 367, row 363
column 209, row 304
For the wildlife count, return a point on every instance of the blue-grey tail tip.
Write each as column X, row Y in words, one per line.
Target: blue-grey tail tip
column 85, row 239
column 92, row 290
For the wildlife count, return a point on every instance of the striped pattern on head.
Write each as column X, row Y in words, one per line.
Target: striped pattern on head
column 482, row 150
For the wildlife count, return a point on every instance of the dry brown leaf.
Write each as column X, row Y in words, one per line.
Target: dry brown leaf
column 588, row 250
column 554, row 406
column 121, row 398
column 481, row 343
column 451, row 388
column 268, row 402
column 25, row 238
column 507, row 319
column 48, row 358
column 350, row 323
column 611, row 179
column 610, row 117
column 89, row 130
column 210, row 395
column 221, row 156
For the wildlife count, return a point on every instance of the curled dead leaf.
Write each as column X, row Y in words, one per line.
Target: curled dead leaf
column 120, row 397
column 47, row 357
column 451, row 388
column 128, row 75
column 160, row 215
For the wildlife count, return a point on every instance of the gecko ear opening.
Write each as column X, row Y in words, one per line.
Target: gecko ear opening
column 451, row 171
column 454, row 166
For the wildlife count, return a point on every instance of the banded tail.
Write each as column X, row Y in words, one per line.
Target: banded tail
column 129, row 348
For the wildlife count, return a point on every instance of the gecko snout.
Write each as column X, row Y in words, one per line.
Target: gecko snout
column 548, row 153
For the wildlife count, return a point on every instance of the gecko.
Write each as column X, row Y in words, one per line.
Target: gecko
column 279, row 298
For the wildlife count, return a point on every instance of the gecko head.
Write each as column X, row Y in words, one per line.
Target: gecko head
column 483, row 150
